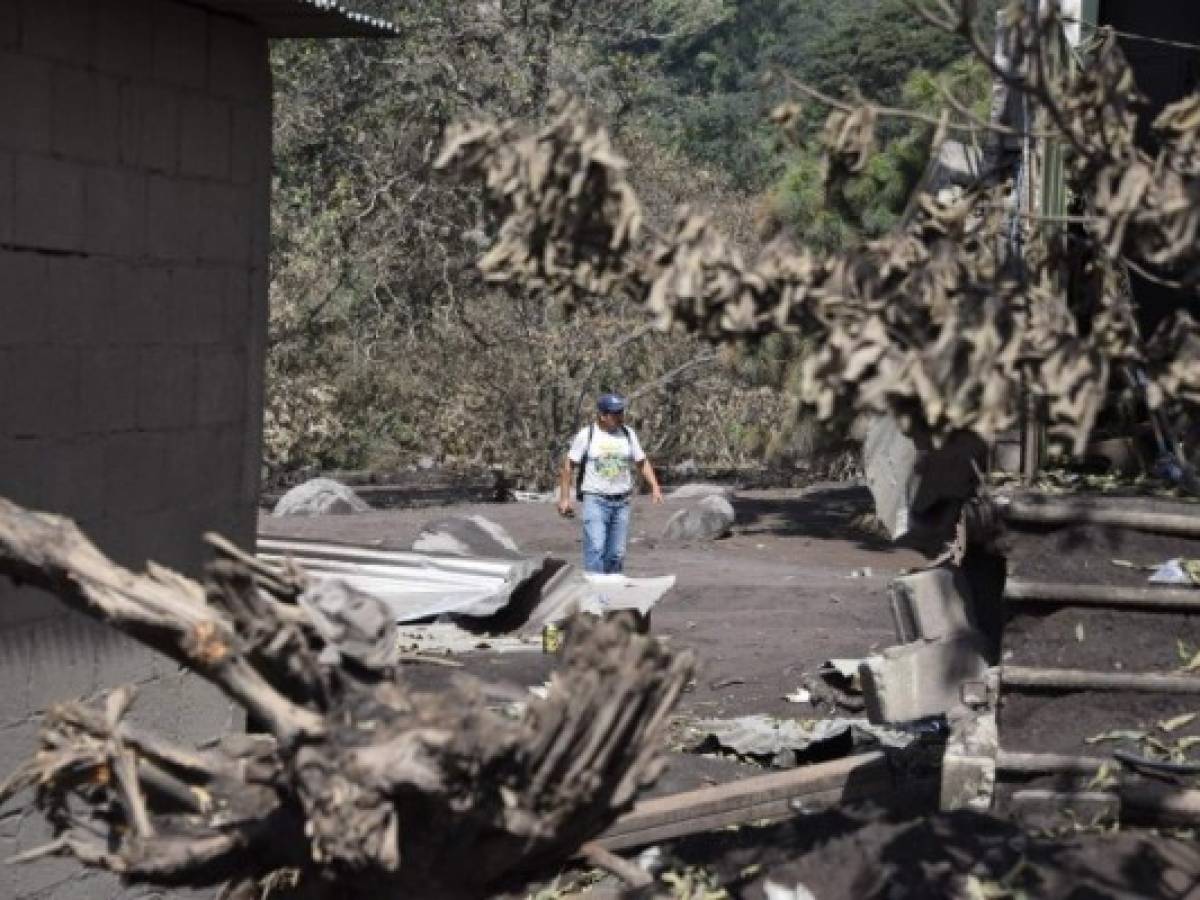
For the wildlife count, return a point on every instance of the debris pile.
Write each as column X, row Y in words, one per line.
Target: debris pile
column 356, row 785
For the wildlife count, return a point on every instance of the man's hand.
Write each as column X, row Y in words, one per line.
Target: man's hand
column 564, row 507
column 656, row 494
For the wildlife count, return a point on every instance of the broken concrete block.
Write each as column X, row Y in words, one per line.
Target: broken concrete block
column 709, row 519
column 466, row 536
column 320, row 497
column 929, row 605
column 921, row 679
column 969, row 761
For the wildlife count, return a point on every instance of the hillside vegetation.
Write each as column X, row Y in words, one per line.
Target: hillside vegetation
column 385, row 343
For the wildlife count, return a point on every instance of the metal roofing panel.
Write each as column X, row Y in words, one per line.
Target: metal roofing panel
column 304, row 18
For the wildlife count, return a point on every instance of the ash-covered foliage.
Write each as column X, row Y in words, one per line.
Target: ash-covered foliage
column 940, row 322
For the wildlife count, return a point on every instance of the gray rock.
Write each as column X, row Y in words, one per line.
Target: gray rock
column 700, row 489
column 320, row 497
column 466, row 536
column 919, row 489
column 709, row 519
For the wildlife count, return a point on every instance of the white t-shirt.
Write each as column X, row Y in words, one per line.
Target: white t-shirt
column 610, row 459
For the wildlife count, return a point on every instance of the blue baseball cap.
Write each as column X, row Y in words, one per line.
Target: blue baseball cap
column 611, row 403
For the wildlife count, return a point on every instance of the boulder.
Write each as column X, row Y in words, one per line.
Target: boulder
column 711, row 518
column 920, row 489
column 466, row 536
column 701, row 489
column 320, row 497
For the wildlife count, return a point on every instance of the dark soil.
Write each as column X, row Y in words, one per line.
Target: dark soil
column 765, row 607
column 1096, row 639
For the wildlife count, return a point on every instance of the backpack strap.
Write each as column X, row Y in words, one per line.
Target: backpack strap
column 583, row 465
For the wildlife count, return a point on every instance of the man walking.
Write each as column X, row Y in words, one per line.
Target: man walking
column 600, row 465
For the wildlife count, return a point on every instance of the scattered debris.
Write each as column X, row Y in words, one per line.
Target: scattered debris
column 1177, row 571
column 413, row 586
column 783, row 743
column 800, row 695
column 466, row 536
column 346, row 754
column 725, row 682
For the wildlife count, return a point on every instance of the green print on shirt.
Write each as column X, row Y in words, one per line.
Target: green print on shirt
column 612, row 459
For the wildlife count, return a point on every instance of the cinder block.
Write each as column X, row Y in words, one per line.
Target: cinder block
column 196, row 305
column 41, row 393
column 25, row 104
column 49, row 204
column 109, row 381
column 86, row 115
column 173, row 209
column 133, row 474
column 23, row 312
column 10, row 25
column 251, row 145
column 115, row 210
column 180, row 45
column 74, row 486
column 224, row 223
column 124, row 37
column 221, row 386
column 59, row 29
column 23, row 472
column 166, row 394
column 150, row 127
column 968, row 776
column 930, row 604
column 204, row 137
column 7, row 198
column 239, row 69
column 138, row 311
column 921, row 679
column 77, row 299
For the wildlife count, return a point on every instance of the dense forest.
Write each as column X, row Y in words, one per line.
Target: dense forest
column 385, row 343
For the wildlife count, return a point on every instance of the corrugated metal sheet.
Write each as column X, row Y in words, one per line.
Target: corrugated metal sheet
column 413, row 586
column 304, row 18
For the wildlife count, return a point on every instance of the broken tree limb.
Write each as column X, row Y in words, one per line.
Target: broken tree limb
column 1066, row 512
column 361, row 787
column 1016, row 590
column 1082, row 680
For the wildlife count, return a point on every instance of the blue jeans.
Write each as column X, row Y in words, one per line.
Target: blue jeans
column 605, row 528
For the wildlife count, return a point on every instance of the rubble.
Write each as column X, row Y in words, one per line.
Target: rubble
column 356, row 785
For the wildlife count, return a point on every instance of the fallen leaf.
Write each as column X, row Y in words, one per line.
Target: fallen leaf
column 1116, row 735
column 1177, row 721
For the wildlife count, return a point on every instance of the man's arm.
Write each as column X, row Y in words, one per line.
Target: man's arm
column 566, row 477
column 647, row 471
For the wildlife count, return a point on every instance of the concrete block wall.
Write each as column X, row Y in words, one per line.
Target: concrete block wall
column 134, row 218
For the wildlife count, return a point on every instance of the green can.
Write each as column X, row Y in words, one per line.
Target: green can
column 552, row 638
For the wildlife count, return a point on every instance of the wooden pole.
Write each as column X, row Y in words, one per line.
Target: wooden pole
column 1047, row 763
column 1081, row 680
column 1069, row 513
column 774, row 796
column 1018, row 591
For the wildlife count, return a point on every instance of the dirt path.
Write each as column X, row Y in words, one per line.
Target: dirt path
column 759, row 608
